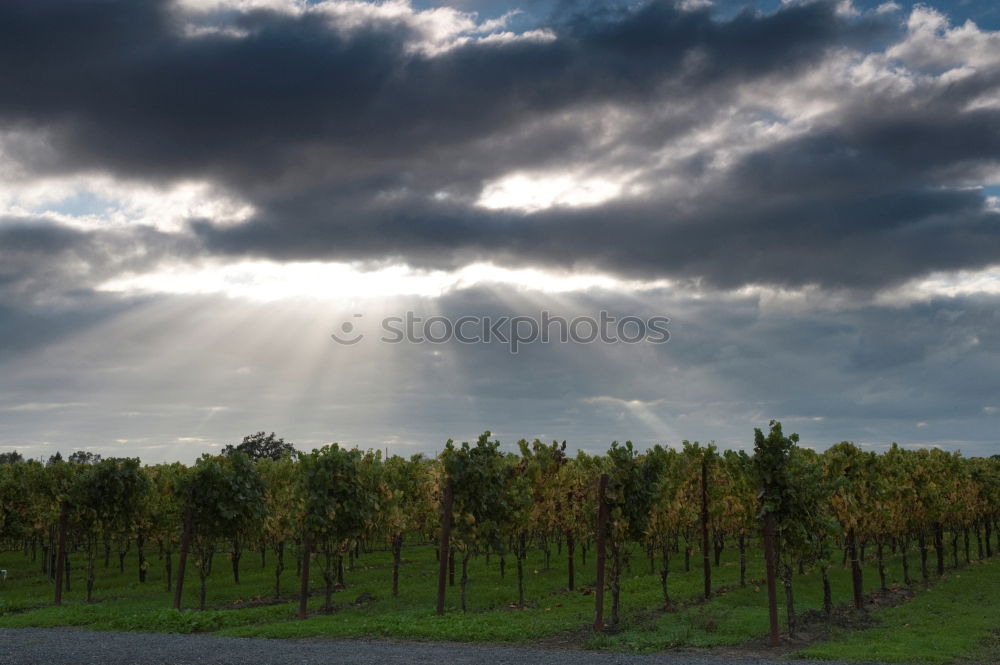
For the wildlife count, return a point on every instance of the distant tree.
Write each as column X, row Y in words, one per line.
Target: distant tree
column 480, row 474
column 262, row 446
column 852, row 475
column 665, row 516
column 280, row 481
column 16, row 500
column 339, row 497
column 79, row 457
column 793, row 497
column 226, row 497
column 164, row 513
column 740, row 502
column 546, row 498
column 407, row 489
column 633, row 488
column 83, row 457
column 11, row 457
column 108, row 498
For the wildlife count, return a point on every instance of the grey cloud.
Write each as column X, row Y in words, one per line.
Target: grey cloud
column 42, row 260
column 340, row 140
column 221, row 368
column 49, row 273
column 867, row 241
column 871, row 197
column 121, row 89
column 28, row 329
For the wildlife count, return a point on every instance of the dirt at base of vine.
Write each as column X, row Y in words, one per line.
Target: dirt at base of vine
column 815, row 626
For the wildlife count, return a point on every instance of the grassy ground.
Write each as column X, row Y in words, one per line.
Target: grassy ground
column 951, row 620
column 956, row 619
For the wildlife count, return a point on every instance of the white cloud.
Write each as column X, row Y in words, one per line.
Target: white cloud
column 42, row 406
column 888, row 8
column 96, row 201
column 692, row 5
column 267, row 281
column 435, row 30
column 205, row 6
column 932, row 43
column 943, row 284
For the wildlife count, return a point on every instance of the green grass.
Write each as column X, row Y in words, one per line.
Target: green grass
column 121, row 603
column 956, row 619
column 950, row 621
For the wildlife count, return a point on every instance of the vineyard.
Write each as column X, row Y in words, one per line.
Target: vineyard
column 578, row 543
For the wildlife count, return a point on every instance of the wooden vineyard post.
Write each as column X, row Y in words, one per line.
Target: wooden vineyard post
column 856, row 579
column 182, row 563
column 445, row 551
column 704, row 527
column 570, row 572
column 772, row 573
column 304, row 582
column 61, row 551
column 601, row 535
column 570, row 550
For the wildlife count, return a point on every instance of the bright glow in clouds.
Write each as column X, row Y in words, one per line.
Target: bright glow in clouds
column 533, row 192
column 644, row 412
column 951, row 285
column 267, row 281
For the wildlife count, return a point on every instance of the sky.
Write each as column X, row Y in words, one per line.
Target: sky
column 198, row 196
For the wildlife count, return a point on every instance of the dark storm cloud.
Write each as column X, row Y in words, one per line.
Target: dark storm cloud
column 871, row 239
column 312, row 124
column 872, row 199
column 48, row 273
column 120, row 88
column 42, row 261
column 352, row 146
column 866, row 202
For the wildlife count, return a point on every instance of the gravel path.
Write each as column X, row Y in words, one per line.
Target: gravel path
column 65, row 646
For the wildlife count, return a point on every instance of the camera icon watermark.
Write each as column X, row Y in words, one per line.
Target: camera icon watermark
column 512, row 331
column 347, row 333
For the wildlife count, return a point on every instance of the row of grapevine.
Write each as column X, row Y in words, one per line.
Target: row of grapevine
column 671, row 505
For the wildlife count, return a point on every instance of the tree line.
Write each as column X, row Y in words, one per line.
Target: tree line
column 670, row 507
